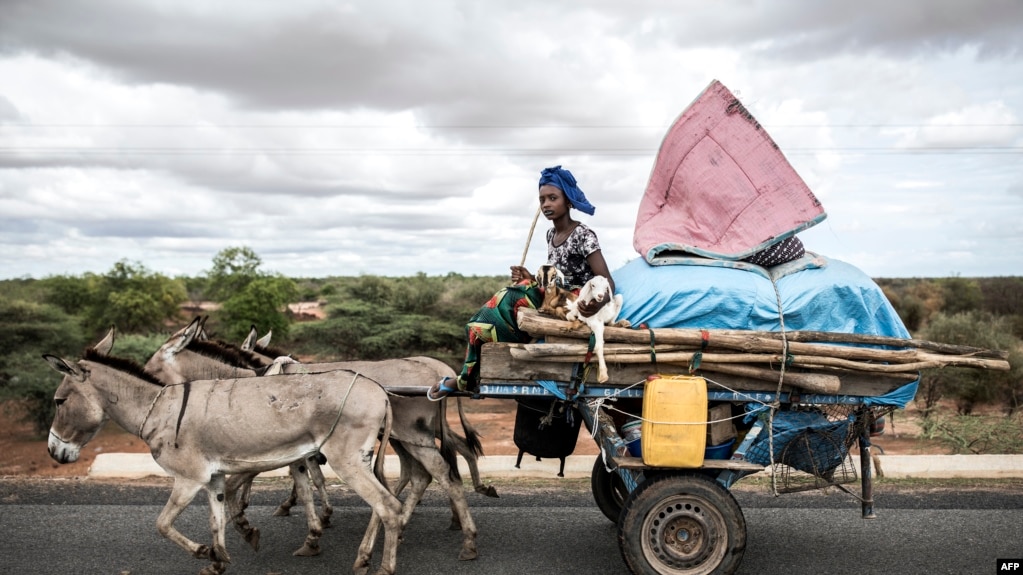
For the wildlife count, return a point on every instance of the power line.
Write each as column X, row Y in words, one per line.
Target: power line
column 481, row 126
column 36, row 151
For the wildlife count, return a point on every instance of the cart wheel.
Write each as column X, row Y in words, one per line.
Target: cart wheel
column 681, row 524
column 609, row 490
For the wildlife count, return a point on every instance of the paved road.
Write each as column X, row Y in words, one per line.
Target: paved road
column 85, row 527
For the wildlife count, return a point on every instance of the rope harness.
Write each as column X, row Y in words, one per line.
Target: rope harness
column 149, row 412
column 337, row 419
column 187, row 386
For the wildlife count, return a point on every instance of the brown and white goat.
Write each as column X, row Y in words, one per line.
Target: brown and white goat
column 555, row 296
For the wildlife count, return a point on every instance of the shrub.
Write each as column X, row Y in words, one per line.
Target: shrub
column 970, row 387
column 971, row 434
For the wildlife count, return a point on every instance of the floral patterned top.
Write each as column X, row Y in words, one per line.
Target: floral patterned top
column 570, row 256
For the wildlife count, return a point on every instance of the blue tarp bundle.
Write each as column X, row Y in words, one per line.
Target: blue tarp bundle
column 830, row 296
column 836, row 297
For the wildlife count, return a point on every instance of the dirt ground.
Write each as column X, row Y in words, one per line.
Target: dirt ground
column 23, row 453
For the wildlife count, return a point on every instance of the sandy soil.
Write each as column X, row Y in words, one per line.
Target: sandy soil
column 23, row 452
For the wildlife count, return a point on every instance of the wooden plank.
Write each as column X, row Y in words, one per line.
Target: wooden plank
column 637, row 463
column 613, row 353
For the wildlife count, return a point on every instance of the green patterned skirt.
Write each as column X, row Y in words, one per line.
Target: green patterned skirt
column 495, row 321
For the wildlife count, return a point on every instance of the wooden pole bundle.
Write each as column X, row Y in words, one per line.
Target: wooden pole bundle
column 730, row 349
column 894, row 362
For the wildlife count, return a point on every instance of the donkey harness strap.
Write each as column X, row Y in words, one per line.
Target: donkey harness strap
column 150, row 411
column 186, row 389
column 339, row 410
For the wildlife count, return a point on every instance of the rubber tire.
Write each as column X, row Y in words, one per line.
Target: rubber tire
column 666, row 505
column 609, row 490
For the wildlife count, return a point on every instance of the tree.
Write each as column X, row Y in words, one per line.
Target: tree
column 72, row 294
column 27, row 330
column 248, row 295
column 417, row 295
column 1003, row 295
column 133, row 298
column 262, row 302
column 972, row 387
column 233, row 269
column 961, row 295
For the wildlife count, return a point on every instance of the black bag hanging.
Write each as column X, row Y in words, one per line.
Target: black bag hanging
column 546, row 427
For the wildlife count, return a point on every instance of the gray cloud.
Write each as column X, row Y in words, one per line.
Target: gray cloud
column 797, row 30
column 383, row 137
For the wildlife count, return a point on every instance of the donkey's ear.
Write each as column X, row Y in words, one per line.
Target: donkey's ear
column 201, row 334
column 63, row 366
column 105, row 345
column 250, row 340
column 183, row 337
column 265, row 340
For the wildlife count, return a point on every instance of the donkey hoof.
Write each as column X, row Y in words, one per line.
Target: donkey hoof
column 218, row 554
column 468, row 554
column 252, row 538
column 215, row 569
column 487, row 490
column 282, row 512
column 307, row 550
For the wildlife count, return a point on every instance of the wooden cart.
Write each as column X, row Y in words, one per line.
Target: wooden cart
column 677, row 520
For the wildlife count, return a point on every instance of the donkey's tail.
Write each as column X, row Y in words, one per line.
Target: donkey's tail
column 472, row 437
column 385, row 438
column 448, row 441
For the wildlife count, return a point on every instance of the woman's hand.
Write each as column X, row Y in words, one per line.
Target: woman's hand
column 586, row 309
column 519, row 273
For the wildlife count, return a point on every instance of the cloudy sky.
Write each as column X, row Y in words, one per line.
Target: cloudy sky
column 396, row 137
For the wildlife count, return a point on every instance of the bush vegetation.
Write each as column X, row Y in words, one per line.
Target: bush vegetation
column 376, row 317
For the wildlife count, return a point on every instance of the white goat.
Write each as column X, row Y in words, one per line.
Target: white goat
column 598, row 290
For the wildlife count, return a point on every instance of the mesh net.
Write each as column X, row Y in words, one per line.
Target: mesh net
column 811, row 445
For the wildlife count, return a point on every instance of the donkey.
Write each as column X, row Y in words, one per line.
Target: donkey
column 297, row 469
column 469, row 447
column 232, row 426
column 184, row 357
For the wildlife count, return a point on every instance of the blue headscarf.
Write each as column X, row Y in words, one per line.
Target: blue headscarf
column 565, row 181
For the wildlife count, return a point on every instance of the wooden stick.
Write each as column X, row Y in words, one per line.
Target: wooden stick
column 572, row 353
column 746, row 341
column 529, row 239
column 498, row 365
column 832, row 337
column 815, row 382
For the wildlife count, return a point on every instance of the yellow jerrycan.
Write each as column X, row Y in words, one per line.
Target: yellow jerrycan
column 674, row 432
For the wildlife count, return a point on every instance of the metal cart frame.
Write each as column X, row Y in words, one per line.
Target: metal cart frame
column 675, row 520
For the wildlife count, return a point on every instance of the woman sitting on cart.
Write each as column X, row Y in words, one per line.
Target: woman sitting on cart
column 572, row 247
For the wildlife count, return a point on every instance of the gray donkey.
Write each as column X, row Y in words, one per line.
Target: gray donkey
column 469, row 447
column 201, row 431
column 184, row 357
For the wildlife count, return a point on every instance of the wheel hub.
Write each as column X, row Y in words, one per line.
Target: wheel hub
column 681, row 535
